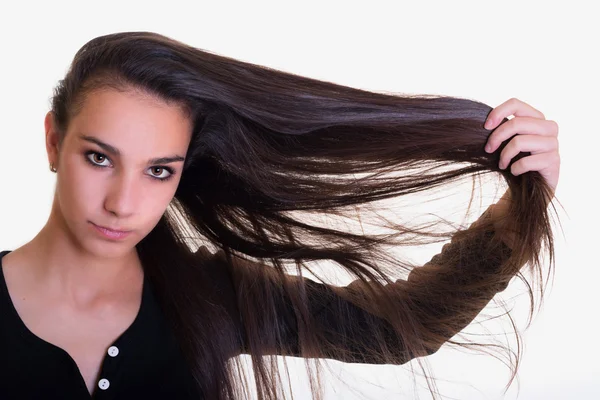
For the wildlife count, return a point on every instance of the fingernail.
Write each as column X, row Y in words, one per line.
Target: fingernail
column 488, row 124
column 488, row 148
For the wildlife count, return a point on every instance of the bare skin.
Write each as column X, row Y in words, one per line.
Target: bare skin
column 71, row 286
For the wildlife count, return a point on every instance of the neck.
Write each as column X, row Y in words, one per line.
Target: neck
column 63, row 267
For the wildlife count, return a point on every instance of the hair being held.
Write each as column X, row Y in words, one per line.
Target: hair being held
column 270, row 148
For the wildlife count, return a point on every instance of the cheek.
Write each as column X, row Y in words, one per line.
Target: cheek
column 79, row 191
column 156, row 206
column 150, row 215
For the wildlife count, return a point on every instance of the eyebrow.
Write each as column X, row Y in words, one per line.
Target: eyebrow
column 116, row 152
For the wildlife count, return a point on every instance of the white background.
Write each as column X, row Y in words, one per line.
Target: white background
column 540, row 52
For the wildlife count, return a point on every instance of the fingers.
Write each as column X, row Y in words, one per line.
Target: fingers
column 538, row 162
column 527, row 143
column 521, row 125
column 510, row 107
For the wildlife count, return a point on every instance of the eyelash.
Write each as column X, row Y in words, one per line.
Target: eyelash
column 168, row 169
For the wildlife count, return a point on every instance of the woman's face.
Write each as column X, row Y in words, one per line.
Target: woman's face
column 108, row 168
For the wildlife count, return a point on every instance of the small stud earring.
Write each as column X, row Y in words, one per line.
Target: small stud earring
column 52, row 167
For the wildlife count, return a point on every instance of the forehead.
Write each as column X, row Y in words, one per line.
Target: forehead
column 132, row 122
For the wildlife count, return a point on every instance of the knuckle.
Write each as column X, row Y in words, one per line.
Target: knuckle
column 518, row 140
column 554, row 127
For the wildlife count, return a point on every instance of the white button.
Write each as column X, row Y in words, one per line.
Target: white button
column 103, row 384
column 113, row 351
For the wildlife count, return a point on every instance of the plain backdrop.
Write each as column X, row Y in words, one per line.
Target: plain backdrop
column 544, row 53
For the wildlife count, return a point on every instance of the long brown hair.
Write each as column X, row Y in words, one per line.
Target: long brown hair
column 268, row 150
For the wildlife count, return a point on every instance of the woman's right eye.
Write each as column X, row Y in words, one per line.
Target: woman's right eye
column 95, row 159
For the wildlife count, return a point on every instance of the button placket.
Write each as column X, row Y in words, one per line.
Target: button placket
column 104, row 383
column 113, row 351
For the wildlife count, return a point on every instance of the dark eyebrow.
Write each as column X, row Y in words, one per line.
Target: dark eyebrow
column 114, row 151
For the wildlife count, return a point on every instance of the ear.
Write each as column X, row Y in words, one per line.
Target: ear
column 51, row 138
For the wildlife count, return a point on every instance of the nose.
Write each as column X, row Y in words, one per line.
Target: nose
column 124, row 194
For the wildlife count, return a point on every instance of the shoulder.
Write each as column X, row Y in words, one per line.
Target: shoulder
column 214, row 267
column 202, row 251
column 221, row 290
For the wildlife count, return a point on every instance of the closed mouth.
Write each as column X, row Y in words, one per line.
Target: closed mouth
column 112, row 230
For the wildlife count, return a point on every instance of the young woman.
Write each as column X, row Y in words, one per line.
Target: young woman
column 163, row 150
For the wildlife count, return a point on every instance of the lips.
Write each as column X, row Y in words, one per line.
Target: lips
column 115, row 230
column 109, row 234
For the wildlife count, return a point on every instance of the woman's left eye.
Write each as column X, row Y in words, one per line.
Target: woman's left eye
column 93, row 161
column 162, row 169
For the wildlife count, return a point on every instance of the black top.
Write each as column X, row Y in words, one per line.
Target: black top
column 145, row 362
